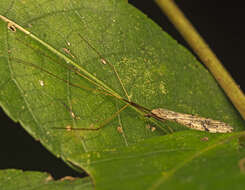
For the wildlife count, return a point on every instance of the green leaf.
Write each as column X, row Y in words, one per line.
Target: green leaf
column 41, row 38
column 16, row 179
column 184, row 160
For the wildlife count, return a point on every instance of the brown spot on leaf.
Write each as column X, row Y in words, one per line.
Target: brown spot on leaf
column 153, row 129
column 120, row 129
column 241, row 165
column 70, row 178
column 49, row 178
column 204, row 139
column 68, row 128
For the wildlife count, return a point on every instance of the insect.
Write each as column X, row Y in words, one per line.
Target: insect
column 188, row 120
column 192, row 121
column 160, row 114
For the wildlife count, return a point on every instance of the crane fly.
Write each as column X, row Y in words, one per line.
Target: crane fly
column 160, row 114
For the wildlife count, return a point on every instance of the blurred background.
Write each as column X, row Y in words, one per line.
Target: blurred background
column 220, row 24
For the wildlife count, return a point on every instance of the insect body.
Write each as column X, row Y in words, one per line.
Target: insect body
column 191, row 121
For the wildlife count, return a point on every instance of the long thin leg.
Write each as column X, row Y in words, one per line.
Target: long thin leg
column 95, row 128
column 104, row 61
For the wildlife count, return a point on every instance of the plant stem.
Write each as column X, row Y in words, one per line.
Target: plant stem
column 205, row 54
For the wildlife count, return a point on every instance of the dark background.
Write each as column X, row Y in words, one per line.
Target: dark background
column 221, row 25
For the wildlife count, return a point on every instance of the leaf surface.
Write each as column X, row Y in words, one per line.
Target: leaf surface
column 184, row 160
column 39, row 91
column 16, row 179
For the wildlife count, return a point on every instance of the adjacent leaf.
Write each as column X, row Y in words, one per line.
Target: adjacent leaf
column 17, row 179
column 37, row 90
column 184, row 160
